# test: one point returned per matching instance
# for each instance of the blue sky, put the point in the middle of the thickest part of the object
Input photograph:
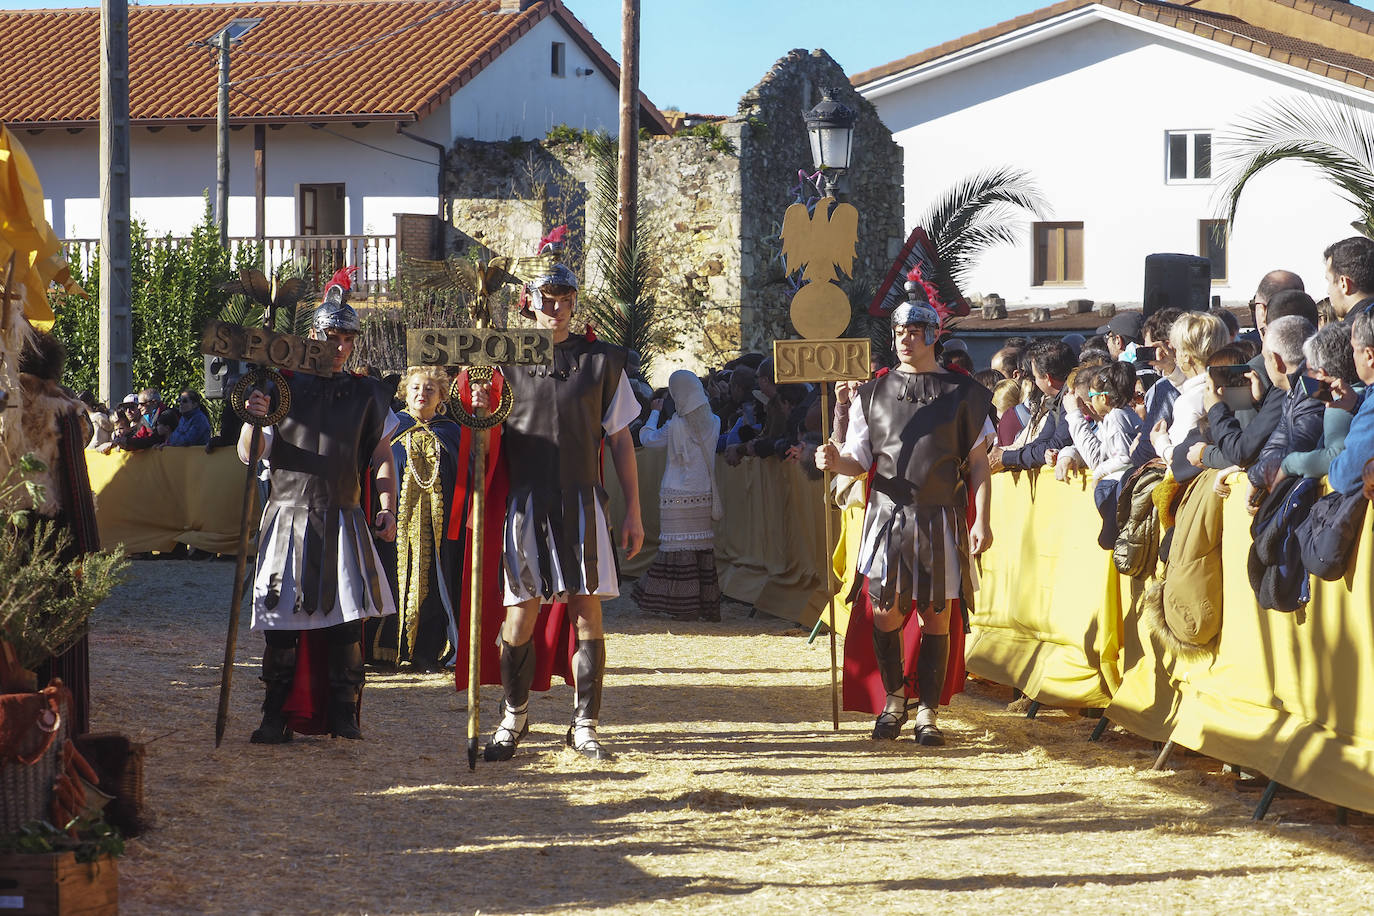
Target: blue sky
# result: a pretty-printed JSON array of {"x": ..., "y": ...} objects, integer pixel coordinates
[{"x": 702, "y": 55}]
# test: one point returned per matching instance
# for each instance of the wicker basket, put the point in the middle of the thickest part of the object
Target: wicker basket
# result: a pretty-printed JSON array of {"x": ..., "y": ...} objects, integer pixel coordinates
[{"x": 26, "y": 791}]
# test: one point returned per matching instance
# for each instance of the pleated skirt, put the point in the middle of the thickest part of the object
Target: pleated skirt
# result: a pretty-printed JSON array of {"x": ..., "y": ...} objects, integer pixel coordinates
[
  {"x": 551, "y": 553},
  {"x": 681, "y": 584},
  {"x": 921, "y": 551},
  {"x": 317, "y": 568}
]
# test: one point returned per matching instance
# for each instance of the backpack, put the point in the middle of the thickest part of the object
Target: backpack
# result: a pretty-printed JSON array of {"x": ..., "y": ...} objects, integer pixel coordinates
[
  {"x": 1136, "y": 552},
  {"x": 1331, "y": 532},
  {"x": 1275, "y": 562}
]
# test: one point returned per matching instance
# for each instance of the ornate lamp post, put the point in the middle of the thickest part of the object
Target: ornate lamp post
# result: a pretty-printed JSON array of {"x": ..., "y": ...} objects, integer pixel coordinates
[{"x": 831, "y": 128}]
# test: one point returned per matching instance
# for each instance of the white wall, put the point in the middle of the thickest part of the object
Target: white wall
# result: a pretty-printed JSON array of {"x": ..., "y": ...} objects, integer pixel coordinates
[
  {"x": 516, "y": 95},
  {"x": 1086, "y": 113},
  {"x": 172, "y": 169}
]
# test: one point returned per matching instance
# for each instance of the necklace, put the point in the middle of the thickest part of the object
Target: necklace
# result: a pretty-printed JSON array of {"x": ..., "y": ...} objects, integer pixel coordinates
[{"x": 430, "y": 446}]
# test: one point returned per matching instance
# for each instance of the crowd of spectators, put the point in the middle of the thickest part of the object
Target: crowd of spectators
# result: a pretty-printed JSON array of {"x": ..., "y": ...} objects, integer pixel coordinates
[{"x": 142, "y": 421}]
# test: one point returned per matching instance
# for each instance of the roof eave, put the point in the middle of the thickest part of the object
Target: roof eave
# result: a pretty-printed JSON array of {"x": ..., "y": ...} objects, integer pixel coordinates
[
  {"x": 236, "y": 121},
  {"x": 1319, "y": 74}
]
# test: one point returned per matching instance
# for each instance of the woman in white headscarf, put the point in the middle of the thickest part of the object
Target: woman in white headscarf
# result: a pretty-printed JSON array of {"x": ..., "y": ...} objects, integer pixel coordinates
[{"x": 682, "y": 580}]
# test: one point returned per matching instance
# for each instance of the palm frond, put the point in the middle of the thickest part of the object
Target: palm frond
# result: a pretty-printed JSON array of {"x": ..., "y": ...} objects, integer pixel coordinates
[
  {"x": 1319, "y": 131},
  {"x": 623, "y": 310},
  {"x": 980, "y": 212}
]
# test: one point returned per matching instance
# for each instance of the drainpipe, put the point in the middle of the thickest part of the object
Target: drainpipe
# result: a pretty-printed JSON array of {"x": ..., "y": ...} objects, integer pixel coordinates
[{"x": 441, "y": 242}]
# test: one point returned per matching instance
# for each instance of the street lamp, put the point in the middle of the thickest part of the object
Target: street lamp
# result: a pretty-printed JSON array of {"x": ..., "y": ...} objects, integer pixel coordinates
[{"x": 831, "y": 128}]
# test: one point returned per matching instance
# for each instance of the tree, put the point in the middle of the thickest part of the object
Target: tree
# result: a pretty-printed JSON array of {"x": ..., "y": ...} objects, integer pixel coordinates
[
  {"x": 980, "y": 212},
  {"x": 623, "y": 309},
  {"x": 1332, "y": 137}
]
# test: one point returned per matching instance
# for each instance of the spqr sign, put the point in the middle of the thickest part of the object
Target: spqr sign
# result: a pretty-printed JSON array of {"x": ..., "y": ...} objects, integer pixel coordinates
[
  {"x": 479, "y": 347},
  {"x": 820, "y": 360},
  {"x": 269, "y": 348}
]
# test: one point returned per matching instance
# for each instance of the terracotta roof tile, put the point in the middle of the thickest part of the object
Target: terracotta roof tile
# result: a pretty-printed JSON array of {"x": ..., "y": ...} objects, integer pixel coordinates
[
  {"x": 308, "y": 60},
  {"x": 1218, "y": 27}
]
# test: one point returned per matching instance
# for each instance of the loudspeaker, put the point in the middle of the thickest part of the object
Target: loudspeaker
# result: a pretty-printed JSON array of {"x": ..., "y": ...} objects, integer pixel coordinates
[
  {"x": 1181, "y": 281},
  {"x": 221, "y": 375}
]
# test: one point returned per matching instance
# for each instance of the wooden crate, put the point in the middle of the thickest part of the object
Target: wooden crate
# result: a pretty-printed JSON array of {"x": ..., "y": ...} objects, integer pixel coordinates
[{"x": 55, "y": 884}]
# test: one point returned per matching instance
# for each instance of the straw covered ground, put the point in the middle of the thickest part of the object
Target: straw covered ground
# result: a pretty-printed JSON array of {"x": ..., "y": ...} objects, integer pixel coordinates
[{"x": 731, "y": 793}]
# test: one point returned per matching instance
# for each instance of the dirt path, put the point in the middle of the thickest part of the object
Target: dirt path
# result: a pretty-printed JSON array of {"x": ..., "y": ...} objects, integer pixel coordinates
[{"x": 730, "y": 794}]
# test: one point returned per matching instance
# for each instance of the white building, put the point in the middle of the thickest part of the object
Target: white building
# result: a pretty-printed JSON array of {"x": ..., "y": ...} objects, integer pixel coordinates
[
  {"x": 1115, "y": 108},
  {"x": 349, "y": 105}
]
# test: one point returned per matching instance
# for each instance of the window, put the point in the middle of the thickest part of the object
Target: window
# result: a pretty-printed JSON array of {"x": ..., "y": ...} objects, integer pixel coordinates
[
  {"x": 1188, "y": 156},
  {"x": 1211, "y": 244},
  {"x": 1058, "y": 254},
  {"x": 558, "y": 59}
]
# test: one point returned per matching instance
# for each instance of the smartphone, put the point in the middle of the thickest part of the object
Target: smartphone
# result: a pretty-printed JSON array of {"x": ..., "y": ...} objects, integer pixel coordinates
[
  {"x": 1320, "y": 391},
  {"x": 1232, "y": 376},
  {"x": 1146, "y": 354}
]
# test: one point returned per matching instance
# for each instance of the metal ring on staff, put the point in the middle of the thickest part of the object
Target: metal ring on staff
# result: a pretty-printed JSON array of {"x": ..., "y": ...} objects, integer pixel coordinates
[
  {"x": 481, "y": 375},
  {"x": 252, "y": 379}
]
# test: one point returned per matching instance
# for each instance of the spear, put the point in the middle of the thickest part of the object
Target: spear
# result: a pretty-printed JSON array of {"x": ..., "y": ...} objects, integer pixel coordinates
[{"x": 253, "y": 284}]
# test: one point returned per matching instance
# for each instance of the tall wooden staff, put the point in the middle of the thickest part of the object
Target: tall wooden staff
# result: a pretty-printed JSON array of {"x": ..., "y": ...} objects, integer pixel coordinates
[
  {"x": 816, "y": 243},
  {"x": 266, "y": 352}
]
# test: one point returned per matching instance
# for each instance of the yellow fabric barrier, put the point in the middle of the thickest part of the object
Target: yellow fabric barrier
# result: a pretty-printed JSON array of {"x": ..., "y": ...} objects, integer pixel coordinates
[
  {"x": 770, "y": 546},
  {"x": 1047, "y": 616},
  {"x": 1287, "y": 695},
  {"x": 158, "y": 498},
  {"x": 770, "y": 550}
]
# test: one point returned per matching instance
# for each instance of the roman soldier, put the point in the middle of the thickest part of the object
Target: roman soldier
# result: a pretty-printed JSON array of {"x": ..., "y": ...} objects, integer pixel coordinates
[
  {"x": 923, "y": 433},
  {"x": 318, "y": 574},
  {"x": 557, "y": 540}
]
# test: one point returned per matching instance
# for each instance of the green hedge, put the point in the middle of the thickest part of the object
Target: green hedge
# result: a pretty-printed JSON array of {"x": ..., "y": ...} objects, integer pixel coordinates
[{"x": 176, "y": 292}]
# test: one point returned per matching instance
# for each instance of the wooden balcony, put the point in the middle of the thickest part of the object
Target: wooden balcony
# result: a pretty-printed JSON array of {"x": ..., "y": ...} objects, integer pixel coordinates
[{"x": 376, "y": 256}]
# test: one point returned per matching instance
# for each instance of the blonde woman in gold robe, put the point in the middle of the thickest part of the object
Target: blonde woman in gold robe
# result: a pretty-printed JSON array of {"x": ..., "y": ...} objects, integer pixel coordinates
[{"x": 422, "y": 635}]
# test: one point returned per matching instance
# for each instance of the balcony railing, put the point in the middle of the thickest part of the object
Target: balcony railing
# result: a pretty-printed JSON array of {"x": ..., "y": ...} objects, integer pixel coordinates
[{"x": 376, "y": 257}]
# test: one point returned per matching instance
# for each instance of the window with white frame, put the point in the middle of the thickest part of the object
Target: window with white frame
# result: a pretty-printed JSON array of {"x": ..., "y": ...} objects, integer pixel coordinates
[
  {"x": 1188, "y": 156},
  {"x": 558, "y": 59}
]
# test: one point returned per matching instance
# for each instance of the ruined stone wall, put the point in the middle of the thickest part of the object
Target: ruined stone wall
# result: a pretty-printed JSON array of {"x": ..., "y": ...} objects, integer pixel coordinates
[
  {"x": 773, "y": 148},
  {"x": 713, "y": 216},
  {"x": 506, "y": 196}
]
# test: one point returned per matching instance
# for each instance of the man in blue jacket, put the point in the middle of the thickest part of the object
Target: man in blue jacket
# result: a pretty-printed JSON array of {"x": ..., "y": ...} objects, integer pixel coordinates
[{"x": 1347, "y": 468}]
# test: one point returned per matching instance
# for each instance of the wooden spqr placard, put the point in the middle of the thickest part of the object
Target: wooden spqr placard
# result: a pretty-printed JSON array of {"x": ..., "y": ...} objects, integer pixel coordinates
[
  {"x": 479, "y": 347},
  {"x": 269, "y": 348},
  {"x": 842, "y": 360}
]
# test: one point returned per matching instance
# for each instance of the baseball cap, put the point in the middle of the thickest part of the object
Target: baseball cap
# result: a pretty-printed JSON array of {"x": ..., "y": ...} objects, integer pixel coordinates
[{"x": 1124, "y": 324}]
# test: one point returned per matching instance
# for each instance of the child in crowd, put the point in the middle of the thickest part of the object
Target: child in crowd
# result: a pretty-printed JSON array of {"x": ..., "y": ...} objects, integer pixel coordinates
[
  {"x": 1006, "y": 396},
  {"x": 1106, "y": 445}
]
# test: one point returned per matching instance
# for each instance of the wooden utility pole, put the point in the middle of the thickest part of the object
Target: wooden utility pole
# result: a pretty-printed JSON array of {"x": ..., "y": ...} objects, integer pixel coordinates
[
  {"x": 222, "y": 132},
  {"x": 260, "y": 188},
  {"x": 116, "y": 323},
  {"x": 628, "y": 204}
]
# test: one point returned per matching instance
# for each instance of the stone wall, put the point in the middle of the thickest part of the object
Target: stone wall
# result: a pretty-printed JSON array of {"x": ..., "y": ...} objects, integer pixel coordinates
[
  {"x": 712, "y": 216},
  {"x": 774, "y": 147}
]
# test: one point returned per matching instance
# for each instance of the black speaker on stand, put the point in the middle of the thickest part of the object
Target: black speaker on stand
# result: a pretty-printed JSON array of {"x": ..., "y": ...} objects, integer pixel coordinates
[{"x": 1181, "y": 281}]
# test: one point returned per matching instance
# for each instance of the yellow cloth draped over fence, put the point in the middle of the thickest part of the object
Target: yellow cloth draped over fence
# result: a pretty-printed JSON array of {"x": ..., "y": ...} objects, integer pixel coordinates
[
  {"x": 770, "y": 550},
  {"x": 158, "y": 498},
  {"x": 1287, "y": 695}
]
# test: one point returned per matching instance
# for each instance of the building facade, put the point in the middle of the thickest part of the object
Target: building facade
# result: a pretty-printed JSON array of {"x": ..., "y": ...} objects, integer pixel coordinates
[{"x": 1120, "y": 111}]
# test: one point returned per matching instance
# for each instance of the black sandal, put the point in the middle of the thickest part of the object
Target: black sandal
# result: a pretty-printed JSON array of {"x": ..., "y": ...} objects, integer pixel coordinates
[
  {"x": 504, "y": 742},
  {"x": 591, "y": 748},
  {"x": 888, "y": 726},
  {"x": 929, "y": 735}
]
